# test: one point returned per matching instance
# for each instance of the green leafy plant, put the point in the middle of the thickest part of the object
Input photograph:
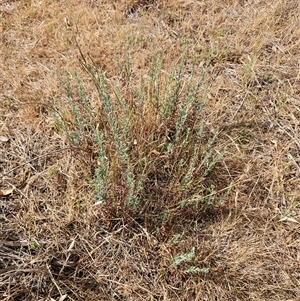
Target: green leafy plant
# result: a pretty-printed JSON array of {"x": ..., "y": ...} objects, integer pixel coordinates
[
  {"x": 147, "y": 141},
  {"x": 182, "y": 258},
  {"x": 185, "y": 265}
]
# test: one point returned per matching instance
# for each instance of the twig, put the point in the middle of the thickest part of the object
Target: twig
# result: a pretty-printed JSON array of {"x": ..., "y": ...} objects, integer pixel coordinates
[{"x": 36, "y": 158}]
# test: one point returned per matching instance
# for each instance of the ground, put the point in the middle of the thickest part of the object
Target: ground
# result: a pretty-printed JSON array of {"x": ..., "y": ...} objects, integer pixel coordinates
[{"x": 56, "y": 244}]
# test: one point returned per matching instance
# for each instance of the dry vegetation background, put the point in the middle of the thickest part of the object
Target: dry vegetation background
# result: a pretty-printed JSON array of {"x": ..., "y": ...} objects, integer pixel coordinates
[{"x": 54, "y": 245}]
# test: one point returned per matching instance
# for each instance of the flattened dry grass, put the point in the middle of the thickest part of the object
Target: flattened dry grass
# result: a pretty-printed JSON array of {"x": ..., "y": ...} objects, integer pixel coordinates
[{"x": 55, "y": 244}]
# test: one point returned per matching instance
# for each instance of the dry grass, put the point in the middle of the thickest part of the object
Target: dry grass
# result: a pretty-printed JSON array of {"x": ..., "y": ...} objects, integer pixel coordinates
[{"x": 55, "y": 245}]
